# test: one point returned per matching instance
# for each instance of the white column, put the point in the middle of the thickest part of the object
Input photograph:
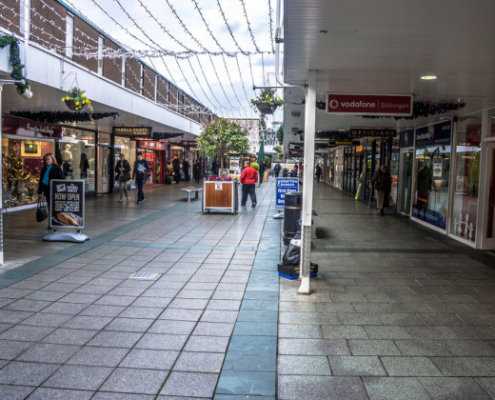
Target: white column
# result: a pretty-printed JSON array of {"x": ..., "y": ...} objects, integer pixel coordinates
[{"x": 309, "y": 166}]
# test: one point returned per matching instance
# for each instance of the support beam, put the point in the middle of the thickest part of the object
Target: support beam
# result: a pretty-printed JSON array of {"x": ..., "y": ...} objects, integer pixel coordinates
[{"x": 309, "y": 167}]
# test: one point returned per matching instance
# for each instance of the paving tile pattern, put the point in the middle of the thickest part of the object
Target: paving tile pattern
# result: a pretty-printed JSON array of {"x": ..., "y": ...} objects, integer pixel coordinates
[{"x": 398, "y": 312}]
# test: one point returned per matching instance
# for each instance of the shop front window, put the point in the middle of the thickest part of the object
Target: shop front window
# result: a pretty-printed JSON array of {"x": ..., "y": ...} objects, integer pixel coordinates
[
  {"x": 127, "y": 147},
  {"x": 22, "y": 161},
  {"x": 78, "y": 152},
  {"x": 432, "y": 174},
  {"x": 394, "y": 169},
  {"x": 468, "y": 155}
]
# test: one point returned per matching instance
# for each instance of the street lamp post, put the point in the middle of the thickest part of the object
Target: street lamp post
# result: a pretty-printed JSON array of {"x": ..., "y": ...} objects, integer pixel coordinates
[{"x": 2, "y": 82}]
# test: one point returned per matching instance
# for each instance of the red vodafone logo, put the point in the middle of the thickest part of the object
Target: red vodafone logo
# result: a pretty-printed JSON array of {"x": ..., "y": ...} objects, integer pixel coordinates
[{"x": 369, "y": 104}]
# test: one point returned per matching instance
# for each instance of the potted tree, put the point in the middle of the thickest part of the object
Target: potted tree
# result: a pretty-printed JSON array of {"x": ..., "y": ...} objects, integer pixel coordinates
[
  {"x": 217, "y": 139},
  {"x": 267, "y": 102}
]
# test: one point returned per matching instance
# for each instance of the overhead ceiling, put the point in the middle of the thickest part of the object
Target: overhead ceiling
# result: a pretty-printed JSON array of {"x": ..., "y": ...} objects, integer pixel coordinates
[{"x": 385, "y": 46}]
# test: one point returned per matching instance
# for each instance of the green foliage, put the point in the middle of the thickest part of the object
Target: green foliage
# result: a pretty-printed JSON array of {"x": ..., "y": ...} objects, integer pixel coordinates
[
  {"x": 268, "y": 161},
  {"x": 255, "y": 165},
  {"x": 221, "y": 137},
  {"x": 280, "y": 135},
  {"x": 267, "y": 95},
  {"x": 15, "y": 61}
]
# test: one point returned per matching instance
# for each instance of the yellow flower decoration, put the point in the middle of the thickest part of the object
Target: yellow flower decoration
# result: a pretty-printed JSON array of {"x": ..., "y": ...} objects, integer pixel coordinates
[
  {"x": 82, "y": 94},
  {"x": 77, "y": 103}
]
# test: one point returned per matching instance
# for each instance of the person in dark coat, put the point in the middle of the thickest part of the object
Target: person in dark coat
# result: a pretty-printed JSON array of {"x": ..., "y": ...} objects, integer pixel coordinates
[
  {"x": 122, "y": 175},
  {"x": 383, "y": 186},
  {"x": 277, "y": 169},
  {"x": 196, "y": 171},
  {"x": 139, "y": 172},
  {"x": 185, "y": 168},
  {"x": 215, "y": 165},
  {"x": 49, "y": 171},
  {"x": 318, "y": 172},
  {"x": 84, "y": 166},
  {"x": 262, "y": 170},
  {"x": 176, "y": 168}
]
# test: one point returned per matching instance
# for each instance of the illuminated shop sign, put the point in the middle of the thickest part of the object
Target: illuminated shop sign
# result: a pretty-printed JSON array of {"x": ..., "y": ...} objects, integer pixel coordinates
[
  {"x": 370, "y": 104},
  {"x": 132, "y": 131}
]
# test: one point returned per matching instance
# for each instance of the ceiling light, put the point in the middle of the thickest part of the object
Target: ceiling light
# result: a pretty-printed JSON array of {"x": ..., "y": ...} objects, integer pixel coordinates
[{"x": 429, "y": 77}]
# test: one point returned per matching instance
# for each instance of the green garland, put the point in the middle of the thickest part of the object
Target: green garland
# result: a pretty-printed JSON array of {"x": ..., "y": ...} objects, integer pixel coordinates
[{"x": 15, "y": 61}]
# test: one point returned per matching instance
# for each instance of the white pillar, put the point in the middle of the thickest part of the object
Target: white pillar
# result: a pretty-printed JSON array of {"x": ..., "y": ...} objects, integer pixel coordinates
[{"x": 309, "y": 166}]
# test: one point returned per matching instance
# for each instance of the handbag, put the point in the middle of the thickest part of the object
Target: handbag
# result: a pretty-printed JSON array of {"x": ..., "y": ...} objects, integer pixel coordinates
[
  {"x": 133, "y": 185},
  {"x": 41, "y": 213}
]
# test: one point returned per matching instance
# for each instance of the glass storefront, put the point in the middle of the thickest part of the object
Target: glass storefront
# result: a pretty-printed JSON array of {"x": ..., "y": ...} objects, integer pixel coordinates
[
  {"x": 431, "y": 198},
  {"x": 127, "y": 147},
  {"x": 394, "y": 169},
  {"x": 78, "y": 156},
  {"x": 490, "y": 217},
  {"x": 468, "y": 157}
]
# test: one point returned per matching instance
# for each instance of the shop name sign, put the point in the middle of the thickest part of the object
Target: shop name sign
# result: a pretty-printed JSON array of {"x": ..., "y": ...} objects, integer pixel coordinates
[
  {"x": 20, "y": 127},
  {"x": 131, "y": 131},
  {"x": 372, "y": 133},
  {"x": 370, "y": 104}
]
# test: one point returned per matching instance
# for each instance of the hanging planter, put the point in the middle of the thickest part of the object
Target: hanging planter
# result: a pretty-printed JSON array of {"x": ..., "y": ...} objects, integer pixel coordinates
[
  {"x": 76, "y": 100},
  {"x": 266, "y": 108},
  {"x": 267, "y": 102}
]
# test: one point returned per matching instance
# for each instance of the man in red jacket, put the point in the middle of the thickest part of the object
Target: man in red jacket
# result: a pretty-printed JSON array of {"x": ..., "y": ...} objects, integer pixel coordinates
[{"x": 249, "y": 177}]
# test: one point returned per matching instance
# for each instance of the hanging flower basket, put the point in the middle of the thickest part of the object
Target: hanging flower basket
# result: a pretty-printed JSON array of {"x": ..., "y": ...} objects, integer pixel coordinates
[
  {"x": 71, "y": 105},
  {"x": 266, "y": 108}
]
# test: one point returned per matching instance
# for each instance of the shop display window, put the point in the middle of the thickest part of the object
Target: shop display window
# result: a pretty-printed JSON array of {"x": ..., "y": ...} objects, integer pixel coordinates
[
  {"x": 22, "y": 161},
  {"x": 127, "y": 147},
  {"x": 78, "y": 152},
  {"x": 394, "y": 169},
  {"x": 431, "y": 200},
  {"x": 468, "y": 156}
]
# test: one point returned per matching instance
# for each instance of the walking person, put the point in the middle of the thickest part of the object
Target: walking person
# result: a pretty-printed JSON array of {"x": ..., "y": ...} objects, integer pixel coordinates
[
  {"x": 277, "y": 169},
  {"x": 122, "y": 176},
  {"x": 84, "y": 166},
  {"x": 139, "y": 172},
  {"x": 176, "y": 167},
  {"x": 196, "y": 171},
  {"x": 214, "y": 166},
  {"x": 318, "y": 172},
  {"x": 262, "y": 170},
  {"x": 383, "y": 185},
  {"x": 249, "y": 177},
  {"x": 49, "y": 171},
  {"x": 185, "y": 168}
]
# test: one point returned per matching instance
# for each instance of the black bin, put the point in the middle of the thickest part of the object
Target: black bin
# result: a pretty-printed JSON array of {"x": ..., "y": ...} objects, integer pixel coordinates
[
  {"x": 292, "y": 213},
  {"x": 285, "y": 172}
]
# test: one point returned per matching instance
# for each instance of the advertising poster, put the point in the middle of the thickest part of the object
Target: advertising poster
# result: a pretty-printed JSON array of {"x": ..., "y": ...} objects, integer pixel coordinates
[
  {"x": 285, "y": 185},
  {"x": 66, "y": 204}
]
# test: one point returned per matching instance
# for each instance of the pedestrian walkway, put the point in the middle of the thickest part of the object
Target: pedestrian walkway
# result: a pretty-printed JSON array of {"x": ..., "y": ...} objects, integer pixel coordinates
[{"x": 398, "y": 311}]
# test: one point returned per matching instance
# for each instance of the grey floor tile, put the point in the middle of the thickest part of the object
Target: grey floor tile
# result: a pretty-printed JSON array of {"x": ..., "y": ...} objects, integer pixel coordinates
[
  {"x": 157, "y": 341},
  {"x": 432, "y": 332},
  {"x": 129, "y": 325},
  {"x": 423, "y": 347},
  {"x": 410, "y": 366},
  {"x": 115, "y": 339},
  {"x": 190, "y": 384},
  {"x": 316, "y": 387},
  {"x": 48, "y": 353},
  {"x": 87, "y": 322},
  {"x": 387, "y": 332},
  {"x": 46, "y": 319},
  {"x": 182, "y": 314},
  {"x": 207, "y": 344},
  {"x": 172, "y": 327},
  {"x": 98, "y": 357},
  {"x": 465, "y": 348},
  {"x": 356, "y": 366},
  {"x": 313, "y": 347},
  {"x": 70, "y": 336},
  {"x": 26, "y": 333},
  {"x": 453, "y": 388},
  {"x": 135, "y": 381},
  {"x": 463, "y": 366},
  {"x": 26, "y": 374},
  {"x": 199, "y": 362},
  {"x": 226, "y": 317},
  {"x": 373, "y": 348},
  {"x": 344, "y": 332},
  {"x": 488, "y": 384},
  {"x": 150, "y": 359},
  {"x": 61, "y": 394},
  {"x": 78, "y": 377},
  {"x": 141, "y": 312},
  {"x": 10, "y": 349},
  {"x": 303, "y": 365},
  {"x": 15, "y": 392},
  {"x": 102, "y": 311},
  {"x": 213, "y": 329},
  {"x": 395, "y": 388},
  {"x": 299, "y": 331}
]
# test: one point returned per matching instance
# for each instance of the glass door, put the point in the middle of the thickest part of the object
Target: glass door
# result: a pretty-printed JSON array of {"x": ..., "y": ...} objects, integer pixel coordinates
[
  {"x": 489, "y": 215},
  {"x": 405, "y": 181}
]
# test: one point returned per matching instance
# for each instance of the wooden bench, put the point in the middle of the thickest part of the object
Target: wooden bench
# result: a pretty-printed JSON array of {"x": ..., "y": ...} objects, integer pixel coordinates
[{"x": 192, "y": 189}]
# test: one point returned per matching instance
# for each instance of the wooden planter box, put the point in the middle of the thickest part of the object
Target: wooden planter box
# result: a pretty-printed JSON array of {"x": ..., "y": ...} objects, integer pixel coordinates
[{"x": 220, "y": 196}]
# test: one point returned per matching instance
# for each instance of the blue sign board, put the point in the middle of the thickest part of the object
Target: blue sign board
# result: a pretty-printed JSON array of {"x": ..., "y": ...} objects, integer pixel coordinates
[{"x": 285, "y": 185}]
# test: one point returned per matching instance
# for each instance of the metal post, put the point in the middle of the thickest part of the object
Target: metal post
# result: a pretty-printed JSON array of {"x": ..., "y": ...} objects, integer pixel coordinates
[{"x": 309, "y": 166}]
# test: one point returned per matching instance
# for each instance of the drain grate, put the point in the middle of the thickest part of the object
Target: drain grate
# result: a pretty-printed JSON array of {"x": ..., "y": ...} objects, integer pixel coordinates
[{"x": 145, "y": 276}]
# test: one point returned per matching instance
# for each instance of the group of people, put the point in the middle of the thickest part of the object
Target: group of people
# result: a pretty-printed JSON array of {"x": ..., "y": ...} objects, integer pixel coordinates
[{"x": 176, "y": 166}]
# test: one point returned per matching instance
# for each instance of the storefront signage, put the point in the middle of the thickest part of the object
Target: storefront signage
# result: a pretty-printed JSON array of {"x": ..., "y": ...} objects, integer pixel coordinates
[
  {"x": 285, "y": 185},
  {"x": 370, "y": 104},
  {"x": 131, "y": 131},
  {"x": 66, "y": 204},
  {"x": 161, "y": 146},
  {"x": 147, "y": 145},
  {"x": 188, "y": 143},
  {"x": 165, "y": 135},
  {"x": 437, "y": 134},
  {"x": 28, "y": 128},
  {"x": 218, "y": 186},
  {"x": 373, "y": 133},
  {"x": 407, "y": 138}
]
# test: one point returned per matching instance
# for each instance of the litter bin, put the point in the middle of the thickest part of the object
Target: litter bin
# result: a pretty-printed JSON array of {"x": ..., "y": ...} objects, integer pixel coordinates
[
  {"x": 285, "y": 172},
  {"x": 292, "y": 213}
]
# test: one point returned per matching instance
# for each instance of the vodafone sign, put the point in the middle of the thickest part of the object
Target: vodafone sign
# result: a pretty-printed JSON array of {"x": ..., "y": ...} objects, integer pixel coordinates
[{"x": 370, "y": 104}]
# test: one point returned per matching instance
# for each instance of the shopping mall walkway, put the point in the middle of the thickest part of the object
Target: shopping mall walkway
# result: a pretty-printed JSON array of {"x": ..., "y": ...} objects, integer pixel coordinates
[{"x": 397, "y": 312}]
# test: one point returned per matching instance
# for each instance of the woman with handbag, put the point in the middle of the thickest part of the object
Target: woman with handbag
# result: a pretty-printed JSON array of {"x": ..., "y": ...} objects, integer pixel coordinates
[
  {"x": 383, "y": 186},
  {"x": 49, "y": 171},
  {"x": 122, "y": 176}
]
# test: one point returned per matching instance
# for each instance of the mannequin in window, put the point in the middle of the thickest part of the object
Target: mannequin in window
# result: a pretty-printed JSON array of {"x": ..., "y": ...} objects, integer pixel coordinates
[{"x": 67, "y": 160}]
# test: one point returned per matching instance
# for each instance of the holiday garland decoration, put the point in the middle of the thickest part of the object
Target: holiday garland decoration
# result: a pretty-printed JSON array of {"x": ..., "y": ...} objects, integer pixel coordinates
[
  {"x": 15, "y": 61},
  {"x": 426, "y": 109},
  {"x": 60, "y": 117},
  {"x": 76, "y": 100}
]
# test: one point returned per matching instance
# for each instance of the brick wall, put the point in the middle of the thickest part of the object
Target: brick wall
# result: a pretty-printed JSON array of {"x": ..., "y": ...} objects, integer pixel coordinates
[
  {"x": 149, "y": 83},
  {"x": 161, "y": 97},
  {"x": 48, "y": 24},
  {"x": 173, "y": 97},
  {"x": 9, "y": 15},
  {"x": 83, "y": 44},
  {"x": 132, "y": 74},
  {"x": 112, "y": 67}
]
